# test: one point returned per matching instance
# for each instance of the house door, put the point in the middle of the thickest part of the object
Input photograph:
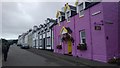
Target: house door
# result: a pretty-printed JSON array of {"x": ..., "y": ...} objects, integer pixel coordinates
[
  {"x": 69, "y": 47},
  {"x": 43, "y": 43}
]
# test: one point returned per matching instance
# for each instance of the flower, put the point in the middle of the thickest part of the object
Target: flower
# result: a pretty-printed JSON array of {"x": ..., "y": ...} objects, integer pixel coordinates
[
  {"x": 82, "y": 46},
  {"x": 59, "y": 46}
]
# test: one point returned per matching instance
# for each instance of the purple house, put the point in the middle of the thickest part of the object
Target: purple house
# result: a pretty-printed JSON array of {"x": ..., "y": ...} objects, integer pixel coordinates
[{"x": 90, "y": 30}]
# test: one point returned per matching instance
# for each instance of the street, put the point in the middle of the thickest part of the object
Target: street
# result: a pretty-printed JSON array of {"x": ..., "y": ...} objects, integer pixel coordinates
[{"x": 21, "y": 57}]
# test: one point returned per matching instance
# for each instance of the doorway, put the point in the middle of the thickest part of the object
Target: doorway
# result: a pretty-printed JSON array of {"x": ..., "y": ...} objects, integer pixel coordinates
[{"x": 69, "y": 47}]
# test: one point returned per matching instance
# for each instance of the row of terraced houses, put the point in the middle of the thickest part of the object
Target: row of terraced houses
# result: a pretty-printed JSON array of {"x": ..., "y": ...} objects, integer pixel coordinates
[{"x": 88, "y": 30}]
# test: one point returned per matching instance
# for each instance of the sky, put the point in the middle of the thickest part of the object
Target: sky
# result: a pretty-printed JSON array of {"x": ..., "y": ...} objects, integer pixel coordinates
[{"x": 19, "y": 17}]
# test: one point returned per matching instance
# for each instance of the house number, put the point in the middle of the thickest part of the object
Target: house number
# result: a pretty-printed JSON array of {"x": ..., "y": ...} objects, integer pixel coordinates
[{"x": 97, "y": 27}]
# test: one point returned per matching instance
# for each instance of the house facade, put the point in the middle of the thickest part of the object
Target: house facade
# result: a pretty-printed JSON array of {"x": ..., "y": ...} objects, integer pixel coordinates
[
  {"x": 40, "y": 35},
  {"x": 30, "y": 36},
  {"x": 21, "y": 39},
  {"x": 34, "y": 37},
  {"x": 45, "y": 35},
  {"x": 49, "y": 33},
  {"x": 89, "y": 30}
]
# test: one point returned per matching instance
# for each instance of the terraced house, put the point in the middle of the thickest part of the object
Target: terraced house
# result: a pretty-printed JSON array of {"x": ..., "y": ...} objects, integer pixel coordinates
[{"x": 88, "y": 30}]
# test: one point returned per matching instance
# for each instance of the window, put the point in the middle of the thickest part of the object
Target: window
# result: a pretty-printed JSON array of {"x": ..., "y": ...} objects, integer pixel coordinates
[
  {"x": 48, "y": 41},
  {"x": 48, "y": 34},
  {"x": 82, "y": 36},
  {"x": 40, "y": 42},
  {"x": 40, "y": 36},
  {"x": 68, "y": 16},
  {"x": 58, "y": 20},
  {"x": 81, "y": 9}
]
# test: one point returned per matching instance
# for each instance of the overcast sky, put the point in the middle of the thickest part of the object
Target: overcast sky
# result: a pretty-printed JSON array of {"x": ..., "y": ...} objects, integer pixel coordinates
[{"x": 19, "y": 17}]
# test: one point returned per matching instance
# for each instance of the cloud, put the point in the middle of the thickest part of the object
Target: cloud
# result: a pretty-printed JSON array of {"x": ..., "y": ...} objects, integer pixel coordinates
[{"x": 19, "y": 17}]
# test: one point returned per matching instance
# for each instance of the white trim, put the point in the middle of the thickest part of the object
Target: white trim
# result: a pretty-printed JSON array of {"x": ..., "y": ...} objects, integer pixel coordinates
[
  {"x": 78, "y": 9},
  {"x": 48, "y": 47},
  {"x": 98, "y": 12},
  {"x": 81, "y": 36},
  {"x": 43, "y": 35}
]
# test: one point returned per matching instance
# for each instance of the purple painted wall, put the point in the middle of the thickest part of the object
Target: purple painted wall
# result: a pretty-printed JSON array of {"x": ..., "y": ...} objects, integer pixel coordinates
[
  {"x": 98, "y": 36},
  {"x": 119, "y": 27},
  {"x": 101, "y": 44},
  {"x": 111, "y": 30},
  {"x": 81, "y": 24},
  {"x": 56, "y": 32}
]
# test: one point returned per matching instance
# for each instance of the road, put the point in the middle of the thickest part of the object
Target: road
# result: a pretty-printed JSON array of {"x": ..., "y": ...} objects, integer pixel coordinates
[{"x": 21, "y": 57}]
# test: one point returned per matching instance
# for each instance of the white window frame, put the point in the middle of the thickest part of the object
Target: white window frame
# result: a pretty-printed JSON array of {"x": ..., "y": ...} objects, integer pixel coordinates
[
  {"x": 59, "y": 20},
  {"x": 81, "y": 38},
  {"x": 40, "y": 36},
  {"x": 49, "y": 41},
  {"x": 40, "y": 41},
  {"x": 68, "y": 14},
  {"x": 81, "y": 10},
  {"x": 44, "y": 35},
  {"x": 48, "y": 34}
]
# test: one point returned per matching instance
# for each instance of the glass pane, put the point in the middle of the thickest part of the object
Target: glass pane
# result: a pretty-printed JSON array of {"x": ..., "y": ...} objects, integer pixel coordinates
[
  {"x": 81, "y": 12},
  {"x": 67, "y": 14},
  {"x": 82, "y": 37},
  {"x": 83, "y": 40},
  {"x": 81, "y": 7},
  {"x": 83, "y": 34},
  {"x": 68, "y": 18}
]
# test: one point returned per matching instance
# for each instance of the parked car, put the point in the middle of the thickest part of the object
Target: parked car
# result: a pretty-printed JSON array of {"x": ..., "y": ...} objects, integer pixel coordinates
[
  {"x": 19, "y": 45},
  {"x": 25, "y": 46}
]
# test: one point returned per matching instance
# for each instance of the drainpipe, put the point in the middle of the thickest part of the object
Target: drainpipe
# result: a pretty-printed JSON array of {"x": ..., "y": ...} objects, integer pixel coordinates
[
  {"x": 75, "y": 38},
  {"x": 91, "y": 36},
  {"x": 51, "y": 39},
  {"x": 38, "y": 40}
]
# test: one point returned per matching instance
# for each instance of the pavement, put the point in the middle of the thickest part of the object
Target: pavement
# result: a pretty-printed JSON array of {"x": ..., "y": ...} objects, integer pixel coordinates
[{"x": 75, "y": 60}]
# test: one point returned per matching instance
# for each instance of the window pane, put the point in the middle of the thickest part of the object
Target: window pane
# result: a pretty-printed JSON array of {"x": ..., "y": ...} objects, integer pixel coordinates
[
  {"x": 40, "y": 42},
  {"x": 81, "y": 7},
  {"x": 68, "y": 18},
  {"x": 82, "y": 37},
  {"x": 83, "y": 40},
  {"x": 81, "y": 12},
  {"x": 67, "y": 14},
  {"x": 83, "y": 34},
  {"x": 48, "y": 41}
]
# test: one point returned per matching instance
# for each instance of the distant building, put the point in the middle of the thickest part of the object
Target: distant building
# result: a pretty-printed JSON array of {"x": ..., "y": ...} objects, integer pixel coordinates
[
  {"x": 30, "y": 38},
  {"x": 49, "y": 33},
  {"x": 34, "y": 36}
]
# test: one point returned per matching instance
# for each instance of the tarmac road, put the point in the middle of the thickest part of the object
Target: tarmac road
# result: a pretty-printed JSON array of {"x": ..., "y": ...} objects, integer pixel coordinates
[{"x": 21, "y": 57}]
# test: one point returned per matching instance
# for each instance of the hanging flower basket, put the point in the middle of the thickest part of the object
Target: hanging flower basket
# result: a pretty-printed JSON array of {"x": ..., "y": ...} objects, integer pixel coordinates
[
  {"x": 67, "y": 37},
  {"x": 63, "y": 39},
  {"x": 82, "y": 46},
  {"x": 59, "y": 46}
]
